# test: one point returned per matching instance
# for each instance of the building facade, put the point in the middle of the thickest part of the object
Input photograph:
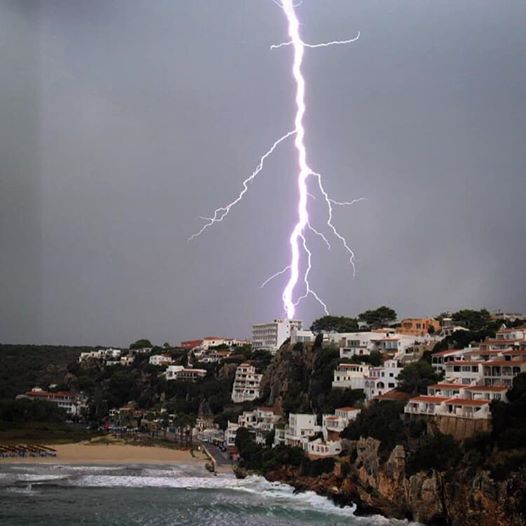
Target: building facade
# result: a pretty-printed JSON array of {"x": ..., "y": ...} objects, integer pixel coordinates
[
  {"x": 246, "y": 384},
  {"x": 270, "y": 336},
  {"x": 419, "y": 326}
]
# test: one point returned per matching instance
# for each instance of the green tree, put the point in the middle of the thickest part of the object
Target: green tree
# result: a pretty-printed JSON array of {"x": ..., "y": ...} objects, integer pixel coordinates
[
  {"x": 435, "y": 452},
  {"x": 375, "y": 358},
  {"x": 242, "y": 438},
  {"x": 415, "y": 377},
  {"x": 474, "y": 320},
  {"x": 334, "y": 323},
  {"x": 461, "y": 339},
  {"x": 378, "y": 317},
  {"x": 141, "y": 344},
  {"x": 382, "y": 421},
  {"x": 518, "y": 390}
]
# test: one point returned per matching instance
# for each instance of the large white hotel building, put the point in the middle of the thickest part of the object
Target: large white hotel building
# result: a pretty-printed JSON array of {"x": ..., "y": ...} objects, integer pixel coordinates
[{"x": 270, "y": 336}]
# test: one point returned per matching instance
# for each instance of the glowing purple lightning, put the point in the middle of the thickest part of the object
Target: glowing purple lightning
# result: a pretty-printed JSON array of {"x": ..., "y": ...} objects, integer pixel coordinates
[
  {"x": 304, "y": 171},
  {"x": 297, "y": 238}
]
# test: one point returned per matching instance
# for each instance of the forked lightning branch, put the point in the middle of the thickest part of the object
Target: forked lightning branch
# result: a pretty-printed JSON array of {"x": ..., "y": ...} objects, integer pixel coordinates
[{"x": 309, "y": 183}]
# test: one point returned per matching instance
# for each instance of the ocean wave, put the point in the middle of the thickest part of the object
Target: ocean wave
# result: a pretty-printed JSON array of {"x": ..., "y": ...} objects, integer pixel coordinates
[
  {"x": 275, "y": 493},
  {"x": 34, "y": 477}
]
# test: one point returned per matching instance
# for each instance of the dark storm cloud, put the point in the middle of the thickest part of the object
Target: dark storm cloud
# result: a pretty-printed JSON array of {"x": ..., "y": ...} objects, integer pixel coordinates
[{"x": 123, "y": 121}]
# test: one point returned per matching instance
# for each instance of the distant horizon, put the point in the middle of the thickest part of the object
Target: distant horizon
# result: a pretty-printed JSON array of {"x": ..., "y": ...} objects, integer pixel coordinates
[{"x": 174, "y": 343}]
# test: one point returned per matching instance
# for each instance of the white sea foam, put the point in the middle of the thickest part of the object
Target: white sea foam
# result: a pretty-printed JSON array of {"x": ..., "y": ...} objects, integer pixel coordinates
[
  {"x": 133, "y": 481},
  {"x": 279, "y": 493},
  {"x": 42, "y": 477},
  {"x": 69, "y": 467},
  {"x": 274, "y": 497}
]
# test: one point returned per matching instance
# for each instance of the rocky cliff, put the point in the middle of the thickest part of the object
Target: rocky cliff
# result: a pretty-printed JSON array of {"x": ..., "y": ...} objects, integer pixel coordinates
[
  {"x": 462, "y": 498},
  {"x": 378, "y": 483},
  {"x": 287, "y": 378}
]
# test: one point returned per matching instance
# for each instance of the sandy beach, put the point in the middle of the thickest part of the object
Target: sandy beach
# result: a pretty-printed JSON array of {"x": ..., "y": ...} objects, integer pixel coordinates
[{"x": 92, "y": 453}]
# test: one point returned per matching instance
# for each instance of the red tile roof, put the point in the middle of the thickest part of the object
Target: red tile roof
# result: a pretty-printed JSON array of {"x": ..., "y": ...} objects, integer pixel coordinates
[
  {"x": 429, "y": 399},
  {"x": 464, "y": 362},
  {"x": 509, "y": 341},
  {"x": 463, "y": 401},
  {"x": 505, "y": 362},
  {"x": 446, "y": 353},
  {"x": 488, "y": 388},
  {"x": 478, "y": 351},
  {"x": 513, "y": 352},
  {"x": 393, "y": 395}
]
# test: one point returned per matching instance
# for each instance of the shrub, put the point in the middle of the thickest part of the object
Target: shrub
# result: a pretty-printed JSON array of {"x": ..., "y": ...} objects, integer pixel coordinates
[
  {"x": 381, "y": 421},
  {"x": 315, "y": 468},
  {"x": 436, "y": 452}
]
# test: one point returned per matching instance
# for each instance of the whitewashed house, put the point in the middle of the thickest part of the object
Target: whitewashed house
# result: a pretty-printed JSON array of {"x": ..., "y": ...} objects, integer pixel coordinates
[
  {"x": 300, "y": 428},
  {"x": 172, "y": 371},
  {"x": 322, "y": 449},
  {"x": 246, "y": 384},
  {"x": 350, "y": 375},
  {"x": 160, "y": 360}
]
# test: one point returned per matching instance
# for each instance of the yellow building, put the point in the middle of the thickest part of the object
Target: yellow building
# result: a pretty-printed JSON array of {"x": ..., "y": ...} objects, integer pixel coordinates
[{"x": 418, "y": 326}]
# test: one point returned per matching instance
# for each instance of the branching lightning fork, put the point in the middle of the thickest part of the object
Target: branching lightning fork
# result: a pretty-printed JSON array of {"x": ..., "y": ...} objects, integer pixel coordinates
[{"x": 297, "y": 240}]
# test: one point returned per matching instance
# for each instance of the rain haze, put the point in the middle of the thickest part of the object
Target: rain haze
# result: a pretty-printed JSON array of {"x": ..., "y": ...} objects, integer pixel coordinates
[{"x": 122, "y": 122}]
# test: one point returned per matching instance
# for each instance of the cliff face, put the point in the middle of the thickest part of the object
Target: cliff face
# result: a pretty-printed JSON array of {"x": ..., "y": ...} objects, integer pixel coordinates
[
  {"x": 287, "y": 377},
  {"x": 465, "y": 497},
  {"x": 462, "y": 498}
]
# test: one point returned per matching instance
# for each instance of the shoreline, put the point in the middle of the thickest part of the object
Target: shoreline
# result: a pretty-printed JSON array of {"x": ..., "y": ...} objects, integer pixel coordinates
[{"x": 84, "y": 453}]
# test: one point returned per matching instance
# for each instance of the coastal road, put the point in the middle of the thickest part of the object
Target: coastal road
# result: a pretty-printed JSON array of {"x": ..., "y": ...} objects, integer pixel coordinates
[{"x": 223, "y": 462}]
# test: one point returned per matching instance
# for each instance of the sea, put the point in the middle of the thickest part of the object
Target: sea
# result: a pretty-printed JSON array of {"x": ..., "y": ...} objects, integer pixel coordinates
[{"x": 58, "y": 495}]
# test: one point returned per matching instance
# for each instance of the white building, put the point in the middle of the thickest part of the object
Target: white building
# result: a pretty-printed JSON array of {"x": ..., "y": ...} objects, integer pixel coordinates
[
  {"x": 212, "y": 341},
  {"x": 322, "y": 449},
  {"x": 246, "y": 384},
  {"x": 260, "y": 422},
  {"x": 270, "y": 336},
  {"x": 230, "y": 435},
  {"x": 350, "y": 376},
  {"x": 300, "y": 428},
  {"x": 439, "y": 359},
  {"x": 333, "y": 425},
  {"x": 100, "y": 355},
  {"x": 71, "y": 403},
  {"x": 127, "y": 360},
  {"x": 160, "y": 360},
  {"x": 212, "y": 436},
  {"x": 473, "y": 378},
  {"x": 381, "y": 379},
  {"x": 385, "y": 340},
  {"x": 172, "y": 371},
  {"x": 189, "y": 374},
  {"x": 303, "y": 336},
  {"x": 467, "y": 404}
]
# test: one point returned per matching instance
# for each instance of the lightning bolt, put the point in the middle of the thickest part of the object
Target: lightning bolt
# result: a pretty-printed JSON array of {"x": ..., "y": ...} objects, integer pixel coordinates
[
  {"x": 297, "y": 239},
  {"x": 222, "y": 212},
  {"x": 298, "y": 46}
]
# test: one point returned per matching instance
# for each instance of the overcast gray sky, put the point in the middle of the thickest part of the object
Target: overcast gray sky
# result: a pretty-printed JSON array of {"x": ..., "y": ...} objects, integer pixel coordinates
[{"x": 123, "y": 121}]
